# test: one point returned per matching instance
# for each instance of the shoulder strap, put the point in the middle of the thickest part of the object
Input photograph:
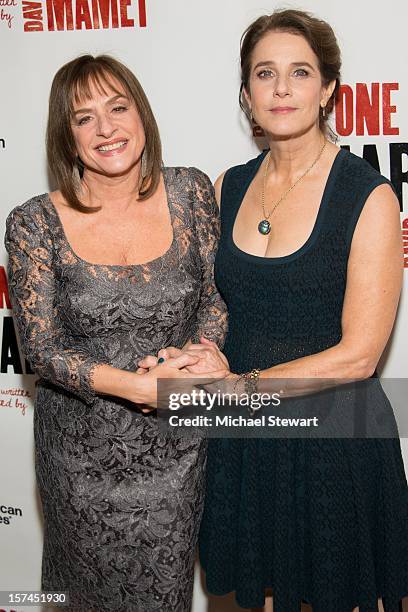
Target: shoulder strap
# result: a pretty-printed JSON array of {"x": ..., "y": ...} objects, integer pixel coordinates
[{"x": 354, "y": 182}]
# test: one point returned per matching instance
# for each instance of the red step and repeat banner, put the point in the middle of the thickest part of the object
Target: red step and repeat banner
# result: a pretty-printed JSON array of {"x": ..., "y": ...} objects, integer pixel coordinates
[{"x": 186, "y": 55}]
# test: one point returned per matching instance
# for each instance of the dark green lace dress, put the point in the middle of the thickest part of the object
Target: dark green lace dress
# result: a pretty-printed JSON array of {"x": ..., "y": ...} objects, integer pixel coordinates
[{"x": 324, "y": 521}]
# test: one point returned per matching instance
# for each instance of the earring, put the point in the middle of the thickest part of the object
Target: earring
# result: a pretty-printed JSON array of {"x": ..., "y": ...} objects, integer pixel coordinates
[
  {"x": 143, "y": 169},
  {"x": 76, "y": 178},
  {"x": 77, "y": 172},
  {"x": 323, "y": 111}
]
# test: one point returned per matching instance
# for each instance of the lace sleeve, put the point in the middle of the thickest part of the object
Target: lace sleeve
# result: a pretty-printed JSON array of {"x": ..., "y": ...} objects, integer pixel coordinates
[
  {"x": 32, "y": 291},
  {"x": 212, "y": 319}
]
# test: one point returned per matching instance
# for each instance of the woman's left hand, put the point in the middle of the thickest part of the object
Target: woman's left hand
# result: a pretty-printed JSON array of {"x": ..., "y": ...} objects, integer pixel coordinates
[{"x": 211, "y": 358}]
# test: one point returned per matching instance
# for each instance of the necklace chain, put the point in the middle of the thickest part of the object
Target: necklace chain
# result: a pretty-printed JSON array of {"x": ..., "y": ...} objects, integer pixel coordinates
[{"x": 267, "y": 216}]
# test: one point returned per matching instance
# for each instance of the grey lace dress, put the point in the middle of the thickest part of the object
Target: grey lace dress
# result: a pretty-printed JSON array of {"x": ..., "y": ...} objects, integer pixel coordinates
[{"x": 122, "y": 502}]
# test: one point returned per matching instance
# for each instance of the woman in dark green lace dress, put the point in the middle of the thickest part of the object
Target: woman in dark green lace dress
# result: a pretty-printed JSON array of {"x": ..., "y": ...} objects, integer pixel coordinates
[{"x": 310, "y": 267}]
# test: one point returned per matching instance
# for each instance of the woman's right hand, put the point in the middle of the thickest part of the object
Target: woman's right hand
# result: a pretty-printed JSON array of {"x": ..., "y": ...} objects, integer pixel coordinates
[
  {"x": 150, "y": 361},
  {"x": 169, "y": 369}
]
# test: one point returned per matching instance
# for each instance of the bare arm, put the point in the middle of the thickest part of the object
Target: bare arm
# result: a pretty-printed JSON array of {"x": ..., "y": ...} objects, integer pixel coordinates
[{"x": 374, "y": 279}]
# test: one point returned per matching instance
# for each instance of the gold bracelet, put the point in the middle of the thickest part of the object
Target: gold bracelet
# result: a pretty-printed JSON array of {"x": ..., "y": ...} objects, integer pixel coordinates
[{"x": 250, "y": 384}]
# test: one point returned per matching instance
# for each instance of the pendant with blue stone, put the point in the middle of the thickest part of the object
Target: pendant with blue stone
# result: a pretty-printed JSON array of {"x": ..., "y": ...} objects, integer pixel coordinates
[{"x": 264, "y": 227}]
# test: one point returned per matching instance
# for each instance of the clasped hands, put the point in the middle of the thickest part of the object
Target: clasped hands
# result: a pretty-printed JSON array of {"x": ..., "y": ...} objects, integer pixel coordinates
[{"x": 203, "y": 360}]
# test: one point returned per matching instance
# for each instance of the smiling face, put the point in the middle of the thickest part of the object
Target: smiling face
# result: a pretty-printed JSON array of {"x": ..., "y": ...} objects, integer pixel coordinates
[
  {"x": 285, "y": 89},
  {"x": 107, "y": 129}
]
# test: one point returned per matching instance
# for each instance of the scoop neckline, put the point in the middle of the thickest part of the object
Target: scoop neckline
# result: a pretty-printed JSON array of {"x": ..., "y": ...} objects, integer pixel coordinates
[
  {"x": 119, "y": 266},
  {"x": 316, "y": 227}
]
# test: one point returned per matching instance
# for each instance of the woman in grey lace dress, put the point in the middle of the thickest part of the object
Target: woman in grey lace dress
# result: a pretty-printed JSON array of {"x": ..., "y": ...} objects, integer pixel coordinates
[{"x": 115, "y": 265}]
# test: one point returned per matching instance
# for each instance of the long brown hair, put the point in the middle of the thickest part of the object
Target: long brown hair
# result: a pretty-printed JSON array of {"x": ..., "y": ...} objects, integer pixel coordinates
[
  {"x": 71, "y": 83},
  {"x": 317, "y": 33}
]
